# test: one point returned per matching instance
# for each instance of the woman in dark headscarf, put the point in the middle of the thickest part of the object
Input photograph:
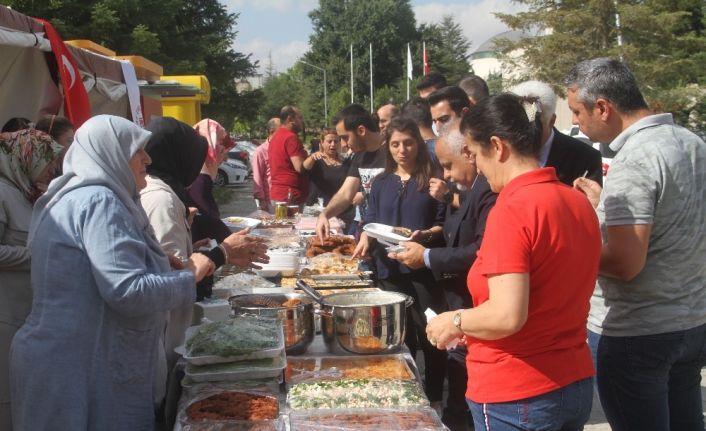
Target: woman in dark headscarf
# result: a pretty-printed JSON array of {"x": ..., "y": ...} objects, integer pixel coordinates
[{"x": 177, "y": 154}]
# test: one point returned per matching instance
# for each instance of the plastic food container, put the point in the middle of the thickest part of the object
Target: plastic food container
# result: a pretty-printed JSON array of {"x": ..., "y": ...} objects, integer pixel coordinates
[
  {"x": 356, "y": 394},
  {"x": 268, "y": 331},
  {"x": 237, "y": 371},
  {"x": 295, "y": 310},
  {"x": 214, "y": 409},
  {"x": 420, "y": 419},
  {"x": 386, "y": 367}
]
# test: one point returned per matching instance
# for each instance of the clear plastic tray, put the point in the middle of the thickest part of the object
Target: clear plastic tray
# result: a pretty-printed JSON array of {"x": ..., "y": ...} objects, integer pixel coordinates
[
  {"x": 277, "y": 335},
  {"x": 421, "y": 419},
  {"x": 187, "y": 423},
  {"x": 356, "y": 394},
  {"x": 236, "y": 371},
  {"x": 386, "y": 367}
]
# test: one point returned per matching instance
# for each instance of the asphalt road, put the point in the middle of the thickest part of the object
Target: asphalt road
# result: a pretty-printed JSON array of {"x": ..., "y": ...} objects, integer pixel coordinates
[{"x": 235, "y": 200}]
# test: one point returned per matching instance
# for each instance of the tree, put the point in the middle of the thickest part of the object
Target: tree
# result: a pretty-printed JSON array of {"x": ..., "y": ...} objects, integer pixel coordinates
[
  {"x": 388, "y": 24},
  {"x": 663, "y": 42},
  {"x": 447, "y": 49},
  {"x": 184, "y": 36}
]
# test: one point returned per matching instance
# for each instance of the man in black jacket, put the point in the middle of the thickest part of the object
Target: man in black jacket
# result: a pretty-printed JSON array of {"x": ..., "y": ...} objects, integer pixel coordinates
[
  {"x": 570, "y": 157},
  {"x": 463, "y": 233}
]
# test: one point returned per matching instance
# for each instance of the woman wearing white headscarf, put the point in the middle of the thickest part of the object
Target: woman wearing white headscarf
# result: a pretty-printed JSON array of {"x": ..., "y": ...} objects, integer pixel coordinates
[
  {"x": 28, "y": 158},
  {"x": 86, "y": 356}
]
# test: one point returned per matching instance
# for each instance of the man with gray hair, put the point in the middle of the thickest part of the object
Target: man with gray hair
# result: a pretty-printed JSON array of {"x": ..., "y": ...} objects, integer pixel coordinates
[
  {"x": 463, "y": 232},
  {"x": 570, "y": 157},
  {"x": 647, "y": 324},
  {"x": 475, "y": 87}
]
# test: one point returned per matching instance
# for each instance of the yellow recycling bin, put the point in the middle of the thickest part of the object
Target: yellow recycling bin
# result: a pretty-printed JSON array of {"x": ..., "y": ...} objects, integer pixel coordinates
[{"x": 185, "y": 104}]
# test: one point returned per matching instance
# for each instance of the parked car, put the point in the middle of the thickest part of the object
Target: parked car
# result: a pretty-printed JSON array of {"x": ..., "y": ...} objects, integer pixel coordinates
[
  {"x": 231, "y": 171},
  {"x": 244, "y": 152}
]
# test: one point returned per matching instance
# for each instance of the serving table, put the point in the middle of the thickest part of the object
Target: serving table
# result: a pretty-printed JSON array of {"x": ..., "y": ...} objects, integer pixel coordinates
[{"x": 315, "y": 371}]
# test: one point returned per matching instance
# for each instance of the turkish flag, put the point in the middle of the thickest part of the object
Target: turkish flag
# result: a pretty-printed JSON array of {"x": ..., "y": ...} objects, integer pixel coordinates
[
  {"x": 426, "y": 61},
  {"x": 77, "y": 107}
]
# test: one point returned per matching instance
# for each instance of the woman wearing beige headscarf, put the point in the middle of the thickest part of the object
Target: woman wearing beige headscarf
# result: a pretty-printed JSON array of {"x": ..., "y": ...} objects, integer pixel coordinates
[{"x": 29, "y": 159}]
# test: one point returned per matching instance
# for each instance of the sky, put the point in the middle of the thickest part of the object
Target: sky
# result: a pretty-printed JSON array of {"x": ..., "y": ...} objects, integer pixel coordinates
[{"x": 283, "y": 27}]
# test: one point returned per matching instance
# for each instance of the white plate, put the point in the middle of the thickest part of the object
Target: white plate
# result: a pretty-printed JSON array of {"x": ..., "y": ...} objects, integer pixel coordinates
[
  {"x": 239, "y": 223},
  {"x": 384, "y": 233}
]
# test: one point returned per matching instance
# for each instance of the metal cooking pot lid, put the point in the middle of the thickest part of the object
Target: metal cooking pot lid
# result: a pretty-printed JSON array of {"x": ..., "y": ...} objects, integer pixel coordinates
[{"x": 356, "y": 299}]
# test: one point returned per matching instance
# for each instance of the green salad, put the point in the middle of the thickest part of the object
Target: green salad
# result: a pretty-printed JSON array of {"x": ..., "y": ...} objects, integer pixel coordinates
[{"x": 237, "y": 336}]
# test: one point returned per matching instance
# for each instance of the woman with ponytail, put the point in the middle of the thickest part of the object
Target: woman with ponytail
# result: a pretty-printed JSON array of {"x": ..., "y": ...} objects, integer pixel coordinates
[{"x": 529, "y": 366}]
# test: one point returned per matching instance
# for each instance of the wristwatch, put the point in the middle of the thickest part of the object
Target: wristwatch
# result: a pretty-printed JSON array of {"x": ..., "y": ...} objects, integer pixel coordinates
[{"x": 457, "y": 320}]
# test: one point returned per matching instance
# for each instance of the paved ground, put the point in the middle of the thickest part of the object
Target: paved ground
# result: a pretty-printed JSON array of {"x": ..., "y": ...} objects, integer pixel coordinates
[
  {"x": 235, "y": 200},
  {"x": 238, "y": 201}
]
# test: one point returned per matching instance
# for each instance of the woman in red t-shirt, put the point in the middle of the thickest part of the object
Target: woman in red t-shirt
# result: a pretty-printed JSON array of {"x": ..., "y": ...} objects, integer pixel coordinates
[{"x": 529, "y": 366}]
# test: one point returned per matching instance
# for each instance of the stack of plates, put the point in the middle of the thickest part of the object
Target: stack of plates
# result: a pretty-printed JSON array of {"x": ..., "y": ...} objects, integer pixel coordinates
[{"x": 284, "y": 263}]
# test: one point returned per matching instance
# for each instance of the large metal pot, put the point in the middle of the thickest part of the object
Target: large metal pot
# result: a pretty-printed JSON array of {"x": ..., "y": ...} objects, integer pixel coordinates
[
  {"x": 297, "y": 320},
  {"x": 364, "y": 322}
]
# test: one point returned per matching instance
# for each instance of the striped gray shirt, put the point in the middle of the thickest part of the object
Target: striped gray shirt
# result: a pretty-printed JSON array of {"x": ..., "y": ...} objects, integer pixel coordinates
[{"x": 658, "y": 177}]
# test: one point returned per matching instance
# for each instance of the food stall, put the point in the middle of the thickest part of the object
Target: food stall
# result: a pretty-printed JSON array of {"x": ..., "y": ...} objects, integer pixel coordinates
[{"x": 273, "y": 357}]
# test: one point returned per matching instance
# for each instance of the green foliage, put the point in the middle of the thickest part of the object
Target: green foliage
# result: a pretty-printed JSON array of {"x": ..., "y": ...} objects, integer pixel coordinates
[
  {"x": 223, "y": 195},
  {"x": 687, "y": 104},
  {"x": 338, "y": 100},
  {"x": 184, "y": 36},
  {"x": 104, "y": 22},
  {"x": 388, "y": 24},
  {"x": 663, "y": 42},
  {"x": 241, "y": 128},
  {"x": 495, "y": 83},
  {"x": 145, "y": 42},
  {"x": 447, "y": 49},
  {"x": 280, "y": 90}
]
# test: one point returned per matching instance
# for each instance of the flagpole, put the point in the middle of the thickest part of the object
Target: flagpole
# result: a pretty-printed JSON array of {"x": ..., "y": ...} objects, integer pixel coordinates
[
  {"x": 371, "y": 77},
  {"x": 351, "y": 73},
  {"x": 424, "y": 57},
  {"x": 408, "y": 60}
]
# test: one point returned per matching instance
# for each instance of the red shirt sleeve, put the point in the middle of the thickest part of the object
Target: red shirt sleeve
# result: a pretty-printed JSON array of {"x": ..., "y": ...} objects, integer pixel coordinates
[
  {"x": 294, "y": 147},
  {"x": 506, "y": 244}
]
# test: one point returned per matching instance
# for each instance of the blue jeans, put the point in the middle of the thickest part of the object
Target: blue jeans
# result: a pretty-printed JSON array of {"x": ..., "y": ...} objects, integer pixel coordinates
[
  {"x": 565, "y": 409},
  {"x": 651, "y": 382}
]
